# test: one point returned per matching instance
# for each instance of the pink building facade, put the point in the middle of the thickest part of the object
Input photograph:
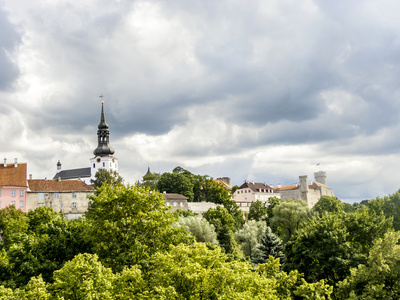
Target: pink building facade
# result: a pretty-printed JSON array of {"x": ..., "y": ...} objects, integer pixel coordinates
[{"x": 13, "y": 185}]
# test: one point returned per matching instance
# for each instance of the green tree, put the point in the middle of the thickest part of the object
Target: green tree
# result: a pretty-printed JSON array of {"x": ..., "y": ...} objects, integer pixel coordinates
[
  {"x": 379, "y": 277},
  {"x": 288, "y": 217},
  {"x": 215, "y": 192},
  {"x": 272, "y": 202},
  {"x": 128, "y": 224},
  {"x": 270, "y": 245},
  {"x": 327, "y": 204},
  {"x": 184, "y": 213},
  {"x": 236, "y": 213},
  {"x": 390, "y": 206},
  {"x": 109, "y": 177},
  {"x": 84, "y": 277},
  {"x": 250, "y": 236},
  {"x": 257, "y": 211},
  {"x": 13, "y": 225},
  {"x": 199, "y": 228},
  {"x": 40, "y": 217},
  {"x": 176, "y": 183},
  {"x": 224, "y": 225},
  {"x": 330, "y": 245}
]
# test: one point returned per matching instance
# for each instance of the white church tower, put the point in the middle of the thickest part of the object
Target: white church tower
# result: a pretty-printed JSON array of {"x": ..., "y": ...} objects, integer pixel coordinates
[{"x": 103, "y": 154}]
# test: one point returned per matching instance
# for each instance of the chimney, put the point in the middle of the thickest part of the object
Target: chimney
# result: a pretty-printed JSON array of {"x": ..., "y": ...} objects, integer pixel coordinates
[
  {"x": 58, "y": 166},
  {"x": 15, "y": 162},
  {"x": 30, "y": 176},
  {"x": 5, "y": 162}
]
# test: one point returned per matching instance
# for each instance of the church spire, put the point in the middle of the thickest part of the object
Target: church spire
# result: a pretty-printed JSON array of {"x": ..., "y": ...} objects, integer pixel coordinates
[{"x": 103, "y": 136}]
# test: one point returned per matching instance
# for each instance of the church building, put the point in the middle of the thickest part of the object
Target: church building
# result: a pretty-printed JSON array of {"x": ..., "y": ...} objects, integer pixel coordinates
[{"x": 103, "y": 157}]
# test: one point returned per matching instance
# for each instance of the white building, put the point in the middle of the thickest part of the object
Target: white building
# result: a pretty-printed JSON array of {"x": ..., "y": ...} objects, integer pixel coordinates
[{"x": 250, "y": 192}]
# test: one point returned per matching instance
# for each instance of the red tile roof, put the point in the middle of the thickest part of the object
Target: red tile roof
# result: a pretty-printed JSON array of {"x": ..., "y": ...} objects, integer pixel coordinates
[
  {"x": 13, "y": 176},
  {"x": 49, "y": 185}
]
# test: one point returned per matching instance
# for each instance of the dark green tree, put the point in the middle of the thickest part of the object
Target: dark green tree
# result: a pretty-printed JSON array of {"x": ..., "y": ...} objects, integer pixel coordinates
[
  {"x": 270, "y": 245},
  {"x": 224, "y": 225},
  {"x": 236, "y": 213},
  {"x": 176, "y": 183},
  {"x": 330, "y": 245},
  {"x": 109, "y": 177}
]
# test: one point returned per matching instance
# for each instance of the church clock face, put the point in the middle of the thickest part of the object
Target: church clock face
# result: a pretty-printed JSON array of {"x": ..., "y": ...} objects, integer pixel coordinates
[{"x": 98, "y": 159}]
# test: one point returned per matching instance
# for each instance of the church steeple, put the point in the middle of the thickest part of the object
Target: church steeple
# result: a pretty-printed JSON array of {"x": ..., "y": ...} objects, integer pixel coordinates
[{"x": 103, "y": 136}]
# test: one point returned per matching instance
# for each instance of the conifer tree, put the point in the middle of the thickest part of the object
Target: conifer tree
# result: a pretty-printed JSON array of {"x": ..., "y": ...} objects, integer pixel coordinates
[{"x": 270, "y": 244}]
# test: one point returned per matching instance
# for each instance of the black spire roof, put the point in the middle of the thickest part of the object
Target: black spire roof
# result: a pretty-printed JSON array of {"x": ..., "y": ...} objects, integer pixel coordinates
[{"x": 103, "y": 136}]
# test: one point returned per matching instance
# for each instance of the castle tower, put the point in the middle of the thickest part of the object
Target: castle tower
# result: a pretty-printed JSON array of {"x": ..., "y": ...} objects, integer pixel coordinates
[
  {"x": 303, "y": 186},
  {"x": 320, "y": 177},
  {"x": 103, "y": 154}
]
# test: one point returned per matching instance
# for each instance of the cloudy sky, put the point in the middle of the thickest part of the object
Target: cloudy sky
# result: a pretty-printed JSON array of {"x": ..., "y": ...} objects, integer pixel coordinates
[{"x": 253, "y": 90}]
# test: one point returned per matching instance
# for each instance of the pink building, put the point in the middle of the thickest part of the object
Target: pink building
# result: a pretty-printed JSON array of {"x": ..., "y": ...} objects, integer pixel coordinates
[{"x": 13, "y": 185}]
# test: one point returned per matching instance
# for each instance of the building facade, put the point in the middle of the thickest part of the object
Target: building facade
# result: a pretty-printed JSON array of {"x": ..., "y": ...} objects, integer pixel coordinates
[
  {"x": 67, "y": 196},
  {"x": 250, "y": 192},
  {"x": 13, "y": 185}
]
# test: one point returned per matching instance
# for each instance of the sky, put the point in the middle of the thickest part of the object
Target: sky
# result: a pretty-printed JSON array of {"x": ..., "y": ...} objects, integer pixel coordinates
[{"x": 253, "y": 90}]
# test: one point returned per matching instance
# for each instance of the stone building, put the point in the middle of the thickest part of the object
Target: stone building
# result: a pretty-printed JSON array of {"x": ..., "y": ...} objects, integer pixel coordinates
[
  {"x": 67, "y": 196},
  {"x": 250, "y": 192},
  {"x": 176, "y": 201},
  {"x": 13, "y": 184},
  {"x": 310, "y": 193},
  {"x": 103, "y": 156}
]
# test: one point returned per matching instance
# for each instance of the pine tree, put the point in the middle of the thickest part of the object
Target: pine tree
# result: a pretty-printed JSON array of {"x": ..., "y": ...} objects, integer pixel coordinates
[{"x": 270, "y": 244}]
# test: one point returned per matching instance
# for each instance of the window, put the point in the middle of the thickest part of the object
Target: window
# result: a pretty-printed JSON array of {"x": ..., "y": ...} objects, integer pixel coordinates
[
  {"x": 40, "y": 195},
  {"x": 56, "y": 195},
  {"x": 55, "y": 207},
  {"x": 73, "y": 204},
  {"x": 13, "y": 203},
  {"x": 21, "y": 193},
  {"x": 94, "y": 166},
  {"x": 180, "y": 203},
  {"x": 12, "y": 193},
  {"x": 61, "y": 206},
  {"x": 104, "y": 164},
  {"x": 167, "y": 203},
  {"x": 21, "y": 203},
  {"x": 40, "y": 204},
  {"x": 73, "y": 195},
  {"x": 174, "y": 203}
]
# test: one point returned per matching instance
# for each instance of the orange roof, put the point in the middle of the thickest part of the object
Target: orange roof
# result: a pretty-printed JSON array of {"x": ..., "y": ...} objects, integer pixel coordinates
[
  {"x": 222, "y": 182},
  {"x": 287, "y": 187},
  {"x": 49, "y": 185},
  {"x": 13, "y": 176},
  {"x": 313, "y": 186}
]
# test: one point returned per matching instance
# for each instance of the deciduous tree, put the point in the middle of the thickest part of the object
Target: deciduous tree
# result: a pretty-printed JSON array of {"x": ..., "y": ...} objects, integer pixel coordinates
[
  {"x": 288, "y": 217},
  {"x": 128, "y": 224}
]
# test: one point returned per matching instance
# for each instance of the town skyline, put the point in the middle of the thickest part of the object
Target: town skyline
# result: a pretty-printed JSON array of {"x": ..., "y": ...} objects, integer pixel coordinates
[{"x": 262, "y": 91}]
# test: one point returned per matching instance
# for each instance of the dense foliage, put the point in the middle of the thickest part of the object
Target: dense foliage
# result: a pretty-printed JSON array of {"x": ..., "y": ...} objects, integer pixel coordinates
[{"x": 129, "y": 246}]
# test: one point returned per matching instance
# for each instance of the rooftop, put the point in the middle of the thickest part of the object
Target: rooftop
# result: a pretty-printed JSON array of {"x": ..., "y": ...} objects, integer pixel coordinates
[{"x": 48, "y": 185}]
